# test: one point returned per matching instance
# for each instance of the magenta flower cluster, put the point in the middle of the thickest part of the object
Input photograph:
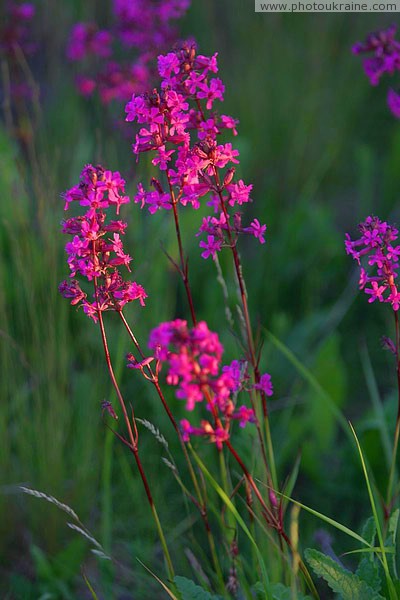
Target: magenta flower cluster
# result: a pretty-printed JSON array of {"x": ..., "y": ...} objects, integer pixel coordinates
[
  {"x": 194, "y": 368},
  {"x": 96, "y": 252},
  {"x": 385, "y": 58},
  {"x": 143, "y": 28},
  {"x": 16, "y": 36},
  {"x": 181, "y": 128},
  {"x": 16, "y": 31},
  {"x": 376, "y": 245}
]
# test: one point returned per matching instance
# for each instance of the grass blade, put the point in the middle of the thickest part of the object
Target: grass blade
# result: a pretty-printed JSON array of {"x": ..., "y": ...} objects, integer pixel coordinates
[
  {"x": 311, "y": 380},
  {"x": 392, "y": 591},
  {"x": 166, "y": 588},
  {"x": 225, "y": 498}
]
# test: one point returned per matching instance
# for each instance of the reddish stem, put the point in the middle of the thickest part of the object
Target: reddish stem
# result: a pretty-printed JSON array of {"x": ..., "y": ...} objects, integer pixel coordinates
[
  {"x": 270, "y": 517},
  {"x": 183, "y": 261},
  {"x": 243, "y": 294},
  {"x": 154, "y": 380},
  {"x": 132, "y": 437}
]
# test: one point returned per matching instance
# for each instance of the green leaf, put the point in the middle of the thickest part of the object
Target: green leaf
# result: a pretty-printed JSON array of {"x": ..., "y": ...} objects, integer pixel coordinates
[
  {"x": 391, "y": 541},
  {"x": 368, "y": 571},
  {"x": 191, "y": 591},
  {"x": 66, "y": 563},
  {"x": 385, "y": 564},
  {"x": 328, "y": 370},
  {"x": 238, "y": 518},
  {"x": 282, "y": 592},
  {"x": 328, "y": 520},
  {"x": 340, "y": 580},
  {"x": 308, "y": 376},
  {"x": 279, "y": 592},
  {"x": 369, "y": 531}
]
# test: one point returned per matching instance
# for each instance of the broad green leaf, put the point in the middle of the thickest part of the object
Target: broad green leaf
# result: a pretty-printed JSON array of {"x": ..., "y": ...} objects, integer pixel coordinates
[
  {"x": 369, "y": 530},
  {"x": 368, "y": 571},
  {"x": 328, "y": 370},
  {"x": 340, "y": 580},
  {"x": 308, "y": 376},
  {"x": 66, "y": 563},
  {"x": 279, "y": 592},
  {"x": 321, "y": 422},
  {"x": 282, "y": 592},
  {"x": 191, "y": 591},
  {"x": 391, "y": 540}
]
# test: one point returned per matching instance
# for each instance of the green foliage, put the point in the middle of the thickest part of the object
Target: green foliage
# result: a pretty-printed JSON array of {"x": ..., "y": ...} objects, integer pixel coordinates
[
  {"x": 391, "y": 540},
  {"x": 340, "y": 580},
  {"x": 190, "y": 591},
  {"x": 279, "y": 592},
  {"x": 329, "y": 370},
  {"x": 319, "y": 158},
  {"x": 368, "y": 569}
]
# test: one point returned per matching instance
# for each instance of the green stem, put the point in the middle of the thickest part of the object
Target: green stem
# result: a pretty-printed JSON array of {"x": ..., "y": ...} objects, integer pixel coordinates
[
  {"x": 227, "y": 489},
  {"x": 393, "y": 464},
  {"x": 271, "y": 455},
  {"x": 160, "y": 531},
  {"x": 392, "y": 471},
  {"x": 271, "y": 471}
]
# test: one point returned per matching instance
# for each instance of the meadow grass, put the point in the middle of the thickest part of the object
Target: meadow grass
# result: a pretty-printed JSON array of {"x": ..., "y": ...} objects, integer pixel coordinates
[{"x": 321, "y": 149}]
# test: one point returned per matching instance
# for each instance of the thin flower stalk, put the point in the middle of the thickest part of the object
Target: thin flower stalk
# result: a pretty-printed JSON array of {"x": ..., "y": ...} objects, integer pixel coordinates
[
  {"x": 392, "y": 471},
  {"x": 200, "y": 502},
  {"x": 96, "y": 259},
  {"x": 184, "y": 266},
  {"x": 377, "y": 255},
  {"x": 181, "y": 128},
  {"x": 271, "y": 472}
]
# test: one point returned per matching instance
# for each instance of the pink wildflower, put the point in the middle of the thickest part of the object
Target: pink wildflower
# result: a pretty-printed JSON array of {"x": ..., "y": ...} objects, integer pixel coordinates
[
  {"x": 194, "y": 368},
  {"x": 92, "y": 254},
  {"x": 376, "y": 247}
]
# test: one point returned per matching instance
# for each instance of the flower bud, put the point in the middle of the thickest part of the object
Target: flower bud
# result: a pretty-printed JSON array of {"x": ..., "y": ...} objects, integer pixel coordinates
[{"x": 229, "y": 176}]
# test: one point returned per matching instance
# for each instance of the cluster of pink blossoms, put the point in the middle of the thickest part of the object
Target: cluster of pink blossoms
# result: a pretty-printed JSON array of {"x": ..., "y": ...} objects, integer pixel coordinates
[
  {"x": 376, "y": 244},
  {"x": 95, "y": 252},
  {"x": 194, "y": 367},
  {"x": 179, "y": 125},
  {"x": 385, "y": 59},
  {"x": 16, "y": 36},
  {"x": 144, "y": 27}
]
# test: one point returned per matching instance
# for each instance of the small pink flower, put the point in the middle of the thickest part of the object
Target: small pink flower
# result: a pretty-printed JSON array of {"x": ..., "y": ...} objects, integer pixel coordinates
[
  {"x": 257, "y": 230},
  {"x": 265, "y": 385}
]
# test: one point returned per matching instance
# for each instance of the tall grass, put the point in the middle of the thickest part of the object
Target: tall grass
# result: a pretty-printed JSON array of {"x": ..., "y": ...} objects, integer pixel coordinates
[{"x": 312, "y": 134}]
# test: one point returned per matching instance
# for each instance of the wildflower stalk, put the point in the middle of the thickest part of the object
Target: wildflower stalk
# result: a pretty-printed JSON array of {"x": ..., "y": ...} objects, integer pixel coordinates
[
  {"x": 249, "y": 332},
  {"x": 200, "y": 502},
  {"x": 132, "y": 438},
  {"x": 183, "y": 261},
  {"x": 392, "y": 471},
  {"x": 267, "y": 513},
  {"x": 154, "y": 380},
  {"x": 227, "y": 489},
  {"x": 270, "y": 517}
]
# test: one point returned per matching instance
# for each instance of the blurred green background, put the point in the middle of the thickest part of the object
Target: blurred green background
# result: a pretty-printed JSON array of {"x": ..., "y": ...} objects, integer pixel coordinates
[{"x": 322, "y": 150}]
